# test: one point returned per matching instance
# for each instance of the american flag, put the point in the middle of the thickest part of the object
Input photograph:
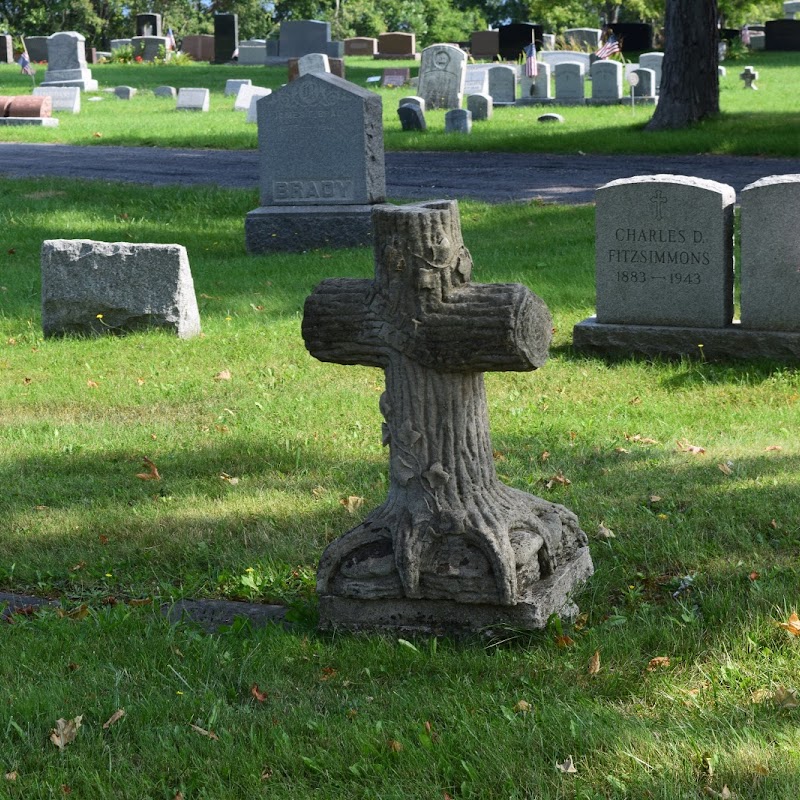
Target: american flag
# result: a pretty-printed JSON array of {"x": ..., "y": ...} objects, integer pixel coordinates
[
  {"x": 531, "y": 70},
  {"x": 609, "y": 48},
  {"x": 746, "y": 36},
  {"x": 171, "y": 43},
  {"x": 25, "y": 63}
]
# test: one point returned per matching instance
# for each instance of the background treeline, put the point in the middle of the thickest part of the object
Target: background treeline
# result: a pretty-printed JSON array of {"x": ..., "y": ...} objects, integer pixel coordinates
[{"x": 431, "y": 20}]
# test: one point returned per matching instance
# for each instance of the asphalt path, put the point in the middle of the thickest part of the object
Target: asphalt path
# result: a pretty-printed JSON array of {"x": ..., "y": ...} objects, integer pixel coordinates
[{"x": 493, "y": 177}]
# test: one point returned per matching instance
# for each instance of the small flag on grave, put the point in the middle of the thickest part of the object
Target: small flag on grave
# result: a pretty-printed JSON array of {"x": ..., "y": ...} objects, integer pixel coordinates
[
  {"x": 609, "y": 48},
  {"x": 531, "y": 69}
]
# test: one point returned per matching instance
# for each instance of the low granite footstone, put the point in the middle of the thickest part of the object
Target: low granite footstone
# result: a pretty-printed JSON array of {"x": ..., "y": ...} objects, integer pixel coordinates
[
  {"x": 458, "y": 120},
  {"x": 452, "y": 550},
  {"x": 442, "y": 73},
  {"x": 256, "y": 93},
  {"x": 550, "y": 118},
  {"x": 664, "y": 251},
  {"x": 193, "y": 99},
  {"x": 245, "y": 95},
  {"x": 165, "y": 91},
  {"x": 412, "y": 118},
  {"x": 770, "y": 254},
  {"x": 412, "y": 100},
  {"x": 63, "y": 98},
  {"x": 38, "y": 107},
  {"x": 480, "y": 106},
  {"x": 321, "y": 166},
  {"x": 395, "y": 76},
  {"x": 100, "y": 288},
  {"x": 125, "y": 92}
]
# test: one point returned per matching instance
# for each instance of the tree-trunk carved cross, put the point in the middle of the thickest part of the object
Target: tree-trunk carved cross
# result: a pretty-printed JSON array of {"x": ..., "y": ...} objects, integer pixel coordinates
[{"x": 449, "y": 529}]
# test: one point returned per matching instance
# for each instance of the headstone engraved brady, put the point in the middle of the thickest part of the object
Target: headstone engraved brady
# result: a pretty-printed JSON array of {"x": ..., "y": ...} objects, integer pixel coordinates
[
  {"x": 66, "y": 62},
  {"x": 256, "y": 93},
  {"x": 232, "y": 85},
  {"x": 193, "y": 99},
  {"x": 64, "y": 98},
  {"x": 607, "y": 83},
  {"x": 321, "y": 166},
  {"x": 653, "y": 61},
  {"x": 503, "y": 85},
  {"x": 6, "y": 49},
  {"x": 749, "y": 76},
  {"x": 253, "y": 52},
  {"x": 101, "y": 288},
  {"x": 583, "y": 38},
  {"x": 148, "y": 24},
  {"x": 412, "y": 118},
  {"x": 770, "y": 254},
  {"x": 37, "y": 48},
  {"x": 536, "y": 89},
  {"x": 397, "y": 45},
  {"x": 664, "y": 251},
  {"x": 441, "y": 76},
  {"x": 360, "y": 46},
  {"x": 484, "y": 45},
  {"x": 480, "y": 106},
  {"x": 458, "y": 120},
  {"x": 199, "y": 46},
  {"x": 395, "y": 76},
  {"x": 452, "y": 549},
  {"x": 476, "y": 80},
  {"x": 570, "y": 82},
  {"x": 514, "y": 38},
  {"x": 226, "y": 37}
]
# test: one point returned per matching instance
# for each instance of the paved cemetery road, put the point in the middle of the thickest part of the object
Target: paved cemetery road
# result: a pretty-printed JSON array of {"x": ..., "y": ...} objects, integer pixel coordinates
[{"x": 494, "y": 177}]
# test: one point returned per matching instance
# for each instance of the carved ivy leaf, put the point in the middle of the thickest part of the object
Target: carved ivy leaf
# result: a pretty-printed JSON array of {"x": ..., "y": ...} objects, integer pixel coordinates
[
  {"x": 436, "y": 476},
  {"x": 407, "y": 435},
  {"x": 403, "y": 471}
]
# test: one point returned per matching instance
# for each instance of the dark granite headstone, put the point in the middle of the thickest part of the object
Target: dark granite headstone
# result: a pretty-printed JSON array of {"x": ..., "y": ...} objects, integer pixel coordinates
[
  {"x": 199, "y": 46},
  {"x": 148, "y": 24},
  {"x": 783, "y": 34},
  {"x": 514, "y": 38},
  {"x": 633, "y": 36},
  {"x": 226, "y": 37},
  {"x": 6, "y": 49},
  {"x": 36, "y": 47},
  {"x": 412, "y": 118},
  {"x": 303, "y": 36}
]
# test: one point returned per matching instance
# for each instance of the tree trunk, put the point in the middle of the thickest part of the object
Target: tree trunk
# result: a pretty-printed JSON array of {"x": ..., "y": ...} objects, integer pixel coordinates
[{"x": 689, "y": 78}]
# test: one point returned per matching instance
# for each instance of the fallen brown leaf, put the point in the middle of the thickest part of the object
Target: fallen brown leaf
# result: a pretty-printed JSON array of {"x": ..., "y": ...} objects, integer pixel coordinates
[
  {"x": 685, "y": 447},
  {"x": 567, "y": 767},
  {"x": 395, "y": 746},
  {"x": 352, "y": 503},
  {"x": 559, "y": 477},
  {"x": 621, "y": 450},
  {"x": 152, "y": 474},
  {"x": 637, "y": 437},
  {"x": 257, "y": 693},
  {"x": 204, "y": 732},
  {"x": 225, "y": 375},
  {"x": 725, "y": 794},
  {"x": 522, "y": 707},
  {"x": 77, "y": 614},
  {"x": 11, "y": 776},
  {"x": 594, "y": 663},
  {"x": 92, "y": 384},
  {"x": 229, "y": 479},
  {"x": 545, "y": 455},
  {"x": 657, "y": 663},
  {"x": 784, "y": 697},
  {"x": 792, "y": 624},
  {"x": 564, "y": 641},
  {"x": 115, "y": 717},
  {"x": 605, "y": 533},
  {"x": 65, "y": 732},
  {"x": 772, "y": 447},
  {"x": 103, "y": 539},
  {"x": 754, "y": 576}
]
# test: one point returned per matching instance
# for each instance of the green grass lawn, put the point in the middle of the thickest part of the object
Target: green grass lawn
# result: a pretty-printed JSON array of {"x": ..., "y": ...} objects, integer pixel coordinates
[
  {"x": 702, "y": 566},
  {"x": 752, "y": 123}
]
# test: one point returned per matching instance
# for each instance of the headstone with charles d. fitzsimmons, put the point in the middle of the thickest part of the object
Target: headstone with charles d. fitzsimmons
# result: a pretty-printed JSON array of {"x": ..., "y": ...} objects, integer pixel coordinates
[{"x": 664, "y": 252}]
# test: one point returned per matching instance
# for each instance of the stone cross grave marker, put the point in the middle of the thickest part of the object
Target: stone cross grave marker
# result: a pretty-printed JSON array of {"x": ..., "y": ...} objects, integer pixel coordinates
[
  {"x": 442, "y": 72},
  {"x": 452, "y": 548},
  {"x": 664, "y": 251},
  {"x": 749, "y": 76}
]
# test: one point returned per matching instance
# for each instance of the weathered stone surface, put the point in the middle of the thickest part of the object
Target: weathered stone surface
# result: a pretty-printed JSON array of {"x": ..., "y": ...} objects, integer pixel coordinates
[
  {"x": 709, "y": 344},
  {"x": 503, "y": 84},
  {"x": 458, "y": 120},
  {"x": 480, "y": 106},
  {"x": 211, "y": 615},
  {"x": 397, "y": 45},
  {"x": 770, "y": 254},
  {"x": 450, "y": 532},
  {"x": 245, "y": 95},
  {"x": 91, "y": 287},
  {"x": 412, "y": 117},
  {"x": 165, "y": 91},
  {"x": 256, "y": 93},
  {"x": 536, "y": 90},
  {"x": 253, "y": 52},
  {"x": 360, "y": 46},
  {"x": 441, "y": 76},
  {"x": 232, "y": 86},
  {"x": 313, "y": 63},
  {"x": 476, "y": 79},
  {"x": 653, "y": 61},
  {"x": 412, "y": 100},
  {"x": 125, "y": 92},
  {"x": 63, "y": 98},
  {"x": 607, "y": 82},
  {"x": 664, "y": 251},
  {"x": 569, "y": 82},
  {"x": 190, "y": 99},
  {"x": 66, "y": 62},
  {"x": 556, "y": 57}
]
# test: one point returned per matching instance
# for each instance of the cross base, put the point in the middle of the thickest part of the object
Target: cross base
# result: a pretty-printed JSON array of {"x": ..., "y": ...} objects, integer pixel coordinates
[
  {"x": 293, "y": 229},
  {"x": 448, "y": 618}
]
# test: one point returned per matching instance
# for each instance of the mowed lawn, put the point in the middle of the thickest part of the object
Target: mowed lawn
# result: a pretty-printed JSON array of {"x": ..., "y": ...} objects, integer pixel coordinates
[
  {"x": 678, "y": 680},
  {"x": 762, "y": 122}
]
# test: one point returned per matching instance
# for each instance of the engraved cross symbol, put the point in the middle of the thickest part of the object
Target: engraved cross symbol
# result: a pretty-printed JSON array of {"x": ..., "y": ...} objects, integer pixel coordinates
[{"x": 658, "y": 200}]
